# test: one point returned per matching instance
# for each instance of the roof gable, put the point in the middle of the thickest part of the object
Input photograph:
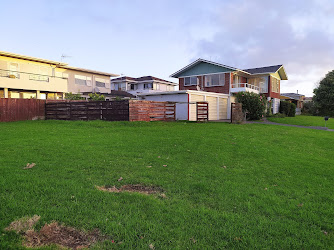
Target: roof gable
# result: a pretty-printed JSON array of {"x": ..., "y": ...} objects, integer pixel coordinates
[
  {"x": 279, "y": 69},
  {"x": 202, "y": 67}
]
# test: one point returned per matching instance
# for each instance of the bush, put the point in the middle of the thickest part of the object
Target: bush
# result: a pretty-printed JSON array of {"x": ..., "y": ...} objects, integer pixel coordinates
[
  {"x": 70, "y": 96},
  {"x": 279, "y": 115},
  {"x": 253, "y": 104},
  {"x": 96, "y": 97},
  {"x": 309, "y": 108},
  {"x": 287, "y": 108}
]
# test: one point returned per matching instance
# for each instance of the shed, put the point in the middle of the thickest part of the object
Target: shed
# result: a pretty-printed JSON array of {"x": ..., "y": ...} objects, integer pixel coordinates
[{"x": 218, "y": 104}]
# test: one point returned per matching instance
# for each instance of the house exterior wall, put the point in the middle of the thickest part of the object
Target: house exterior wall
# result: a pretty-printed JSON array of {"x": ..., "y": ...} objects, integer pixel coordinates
[
  {"x": 43, "y": 80},
  {"x": 271, "y": 93},
  {"x": 216, "y": 89},
  {"x": 73, "y": 87},
  {"x": 27, "y": 69},
  {"x": 202, "y": 69}
]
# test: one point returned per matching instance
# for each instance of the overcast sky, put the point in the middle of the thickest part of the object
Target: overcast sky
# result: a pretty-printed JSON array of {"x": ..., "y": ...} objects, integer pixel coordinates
[{"x": 158, "y": 37}]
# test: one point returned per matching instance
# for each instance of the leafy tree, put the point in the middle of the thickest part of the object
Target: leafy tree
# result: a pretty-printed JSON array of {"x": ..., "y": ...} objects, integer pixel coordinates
[
  {"x": 324, "y": 95},
  {"x": 253, "y": 104},
  {"x": 70, "y": 96},
  {"x": 96, "y": 97}
]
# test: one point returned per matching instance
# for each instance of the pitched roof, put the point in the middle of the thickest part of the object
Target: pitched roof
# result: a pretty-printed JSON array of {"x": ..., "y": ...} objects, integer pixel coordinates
[
  {"x": 294, "y": 96},
  {"x": 262, "y": 70},
  {"x": 141, "y": 79}
]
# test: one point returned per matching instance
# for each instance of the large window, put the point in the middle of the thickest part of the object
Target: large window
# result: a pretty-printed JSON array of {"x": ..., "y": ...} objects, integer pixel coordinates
[
  {"x": 83, "y": 80},
  {"x": 100, "y": 82},
  {"x": 188, "y": 81},
  {"x": 274, "y": 85},
  {"x": 215, "y": 80}
]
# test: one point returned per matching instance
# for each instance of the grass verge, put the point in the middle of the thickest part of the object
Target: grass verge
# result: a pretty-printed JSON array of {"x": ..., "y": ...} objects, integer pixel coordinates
[{"x": 304, "y": 120}]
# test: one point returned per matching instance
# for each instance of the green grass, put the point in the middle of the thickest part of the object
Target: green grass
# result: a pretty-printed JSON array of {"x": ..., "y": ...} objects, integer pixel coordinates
[
  {"x": 304, "y": 120},
  {"x": 252, "y": 203}
]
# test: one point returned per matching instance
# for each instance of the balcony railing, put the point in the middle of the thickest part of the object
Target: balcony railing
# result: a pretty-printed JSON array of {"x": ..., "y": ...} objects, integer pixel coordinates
[
  {"x": 9, "y": 74},
  {"x": 245, "y": 85}
]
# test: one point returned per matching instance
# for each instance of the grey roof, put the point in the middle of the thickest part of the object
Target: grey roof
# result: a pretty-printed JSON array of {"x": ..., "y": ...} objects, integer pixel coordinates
[
  {"x": 267, "y": 69},
  {"x": 294, "y": 96}
]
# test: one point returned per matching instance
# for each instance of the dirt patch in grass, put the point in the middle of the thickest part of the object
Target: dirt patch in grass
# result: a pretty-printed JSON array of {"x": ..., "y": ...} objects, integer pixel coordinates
[
  {"x": 137, "y": 188},
  {"x": 23, "y": 224},
  {"x": 54, "y": 233}
]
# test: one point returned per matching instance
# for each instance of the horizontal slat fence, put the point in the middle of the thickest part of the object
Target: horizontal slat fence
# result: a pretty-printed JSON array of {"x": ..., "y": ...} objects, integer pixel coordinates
[
  {"x": 21, "y": 109},
  {"x": 151, "y": 111},
  {"x": 126, "y": 110},
  {"x": 97, "y": 110}
]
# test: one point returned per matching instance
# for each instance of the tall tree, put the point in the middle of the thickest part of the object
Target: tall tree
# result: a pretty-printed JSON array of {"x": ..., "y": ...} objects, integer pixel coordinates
[{"x": 324, "y": 95}]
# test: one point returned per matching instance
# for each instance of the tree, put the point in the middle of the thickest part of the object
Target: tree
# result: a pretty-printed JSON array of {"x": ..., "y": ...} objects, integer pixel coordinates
[
  {"x": 324, "y": 95},
  {"x": 253, "y": 104}
]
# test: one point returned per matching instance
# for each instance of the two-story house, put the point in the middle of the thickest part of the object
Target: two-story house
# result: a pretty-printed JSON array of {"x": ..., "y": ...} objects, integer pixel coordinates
[
  {"x": 30, "y": 77},
  {"x": 216, "y": 84},
  {"x": 141, "y": 85}
]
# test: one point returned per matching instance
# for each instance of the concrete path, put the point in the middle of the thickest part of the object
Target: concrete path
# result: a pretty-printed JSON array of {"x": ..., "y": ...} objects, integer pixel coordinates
[{"x": 290, "y": 125}]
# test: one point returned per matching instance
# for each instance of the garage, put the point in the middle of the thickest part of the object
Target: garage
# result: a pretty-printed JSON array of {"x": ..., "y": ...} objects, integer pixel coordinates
[{"x": 218, "y": 104}]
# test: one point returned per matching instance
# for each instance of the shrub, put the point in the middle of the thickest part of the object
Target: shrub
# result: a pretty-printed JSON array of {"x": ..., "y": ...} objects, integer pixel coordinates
[
  {"x": 96, "y": 97},
  {"x": 70, "y": 96},
  {"x": 279, "y": 115},
  {"x": 253, "y": 104},
  {"x": 287, "y": 108}
]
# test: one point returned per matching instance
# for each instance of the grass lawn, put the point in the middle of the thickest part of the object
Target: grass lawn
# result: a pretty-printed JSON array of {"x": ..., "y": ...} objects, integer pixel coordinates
[
  {"x": 276, "y": 191},
  {"x": 304, "y": 120}
]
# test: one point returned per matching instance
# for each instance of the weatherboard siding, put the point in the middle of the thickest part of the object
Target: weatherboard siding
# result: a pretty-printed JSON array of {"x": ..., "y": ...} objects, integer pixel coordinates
[{"x": 203, "y": 69}]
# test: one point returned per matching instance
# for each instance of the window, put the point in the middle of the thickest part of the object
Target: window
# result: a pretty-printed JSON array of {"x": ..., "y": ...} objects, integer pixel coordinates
[
  {"x": 61, "y": 75},
  {"x": 13, "y": 70},
  {"x": 133, "y": 86},
  {"x": 274, "y": 85},
  {"x": 116, "y": 86},
  {"x": 263, "y": 84},
  {"x": 215, "y": 80},
  {"x": 83, "y": 80},
  {"x": 100, "y": 82},
  {"x": 188, "y": 81},
  {"x": 148, "y": 86}
]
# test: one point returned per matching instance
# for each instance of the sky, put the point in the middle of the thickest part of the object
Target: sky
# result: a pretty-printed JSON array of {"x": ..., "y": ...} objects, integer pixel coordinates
[{"x": 158, "y": 37}]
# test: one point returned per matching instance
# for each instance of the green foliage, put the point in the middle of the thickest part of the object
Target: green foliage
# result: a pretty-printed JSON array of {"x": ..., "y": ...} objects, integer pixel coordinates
[
  {"x": 269, "y": 106},
  {"x": 96, "y": 97},
  {"x": 324, "y": 95},
  {"x": 118, "y": 98},
  {"x": 71, "y": 96},
  {"x": 251, "y": 186},
  {"x": 253, "y": 104},
  {"x": 309, "y": 108},
  {"x": 278, "y": 115},
  {"x": 287, "y": 108}
]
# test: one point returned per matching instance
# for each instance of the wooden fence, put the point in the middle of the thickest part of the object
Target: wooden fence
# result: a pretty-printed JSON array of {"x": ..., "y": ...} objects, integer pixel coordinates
[
  {"x": 202, "y": 111},
  {"x": 84, "y": 110},
  {"x": 126, "y": 110},
  {"x": 21, "y": 109}
]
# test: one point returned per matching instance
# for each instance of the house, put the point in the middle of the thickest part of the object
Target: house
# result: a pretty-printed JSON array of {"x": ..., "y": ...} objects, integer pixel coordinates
[
  {"x": 30, "y": 77},
  {"x": 217, "y": 83},
  {"x": 295, "y": 98},
  {"x": 140, "y": 85}
]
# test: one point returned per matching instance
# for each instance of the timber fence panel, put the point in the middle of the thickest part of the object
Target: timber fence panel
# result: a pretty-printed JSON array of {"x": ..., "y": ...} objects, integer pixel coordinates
[{"x": 12, "y": 109}]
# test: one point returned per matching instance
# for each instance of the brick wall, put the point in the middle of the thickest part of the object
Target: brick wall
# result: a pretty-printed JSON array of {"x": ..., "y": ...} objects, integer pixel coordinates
[{"x": 270, "y": 92}]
